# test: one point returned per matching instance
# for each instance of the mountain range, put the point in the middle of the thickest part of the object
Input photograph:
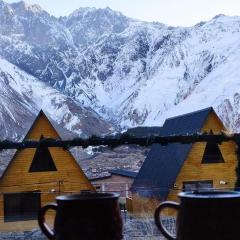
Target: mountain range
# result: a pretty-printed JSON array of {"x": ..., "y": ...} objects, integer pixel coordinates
[{"x": 97, "y": 71}]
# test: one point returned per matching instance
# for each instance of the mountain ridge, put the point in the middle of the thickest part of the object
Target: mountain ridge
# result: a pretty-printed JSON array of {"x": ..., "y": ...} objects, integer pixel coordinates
[{"x": 130, "y": 72}]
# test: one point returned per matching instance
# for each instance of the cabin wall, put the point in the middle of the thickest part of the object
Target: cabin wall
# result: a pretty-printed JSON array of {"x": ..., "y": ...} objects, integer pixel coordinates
[
  {"x": 42, "y": 126},
  {"x": 194, "y": 170},
  {"x": 68, "y": 170},
  {"x": 68, "y": 178},
  {"x": 115, "y": 183}
]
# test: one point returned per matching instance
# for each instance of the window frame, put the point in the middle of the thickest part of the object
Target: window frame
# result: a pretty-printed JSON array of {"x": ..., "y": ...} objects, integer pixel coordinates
[
  {"x": 25, "y": 206},
  {"x": 197, "y": 185}
]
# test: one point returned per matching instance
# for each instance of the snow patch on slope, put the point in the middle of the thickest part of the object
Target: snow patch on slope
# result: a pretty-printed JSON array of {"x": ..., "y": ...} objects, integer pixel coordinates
[{"x": 33, "y": 95}]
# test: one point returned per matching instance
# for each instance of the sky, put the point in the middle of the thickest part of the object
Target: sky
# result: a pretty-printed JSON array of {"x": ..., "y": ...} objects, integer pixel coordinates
[{"x": 171, "y": 12}]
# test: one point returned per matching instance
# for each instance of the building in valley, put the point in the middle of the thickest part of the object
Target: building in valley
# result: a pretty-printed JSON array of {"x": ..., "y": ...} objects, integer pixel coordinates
[{"x": 118, "y": 180}]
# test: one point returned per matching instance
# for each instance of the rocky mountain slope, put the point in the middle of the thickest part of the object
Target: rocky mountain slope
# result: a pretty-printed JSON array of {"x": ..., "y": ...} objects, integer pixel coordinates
[
  {"x": 21, "y": 97},
  {"x": 128, "y": 71}
]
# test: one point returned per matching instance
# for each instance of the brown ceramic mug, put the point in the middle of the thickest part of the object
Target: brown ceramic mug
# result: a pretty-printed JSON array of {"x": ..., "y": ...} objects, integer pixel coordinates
[
  {"x": 208, "y": 215},
  {"x": 88, "y": 216}
]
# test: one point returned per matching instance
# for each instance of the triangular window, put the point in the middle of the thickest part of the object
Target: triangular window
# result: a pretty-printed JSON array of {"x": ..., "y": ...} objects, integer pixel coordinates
[
  {"x": 42, "y": 160},
  {"x": 212, "y": 154}
]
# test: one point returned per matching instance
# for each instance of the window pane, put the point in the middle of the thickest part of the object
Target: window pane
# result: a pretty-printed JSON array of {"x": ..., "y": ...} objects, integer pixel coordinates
[
  {"x": 197, "y": 185},
  {"x": 21, "y": 206}
]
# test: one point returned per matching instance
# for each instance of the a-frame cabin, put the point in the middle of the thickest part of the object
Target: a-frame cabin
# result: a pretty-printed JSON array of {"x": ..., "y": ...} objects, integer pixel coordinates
[
  {"x": 35, "y": 177},
  {"x": 167, "y": 170}
]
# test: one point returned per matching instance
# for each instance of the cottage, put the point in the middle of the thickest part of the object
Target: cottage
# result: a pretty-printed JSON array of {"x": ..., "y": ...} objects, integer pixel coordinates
[
  {"x": 185, "y": 167},
  {"x": 35, "y": 177},
  {"x": 118, "y": 180}
]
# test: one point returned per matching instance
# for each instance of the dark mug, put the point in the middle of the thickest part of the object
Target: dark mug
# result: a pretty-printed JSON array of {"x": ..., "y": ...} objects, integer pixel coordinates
[
  {"x": 87, "y": 216},
  {"x": 208, "y": 215}
]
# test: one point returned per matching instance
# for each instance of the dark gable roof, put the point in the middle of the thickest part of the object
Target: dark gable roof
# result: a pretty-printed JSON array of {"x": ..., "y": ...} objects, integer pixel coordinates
[
  {"x": 119, "y": 172},
  {"x": 144, "y": 131},
  {"x": 187, "y": 123},
  {"x": 96, "y": 178},
  {"x": 163, "y": 163},
  {"x": 123, "y": 173}
]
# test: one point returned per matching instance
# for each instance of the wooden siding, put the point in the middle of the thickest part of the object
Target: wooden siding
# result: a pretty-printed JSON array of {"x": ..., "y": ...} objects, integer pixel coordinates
[
  {"x": 69, "y": 177},
  {"x": 115, "y": 183},
  {"x": 194, "y": 170}
]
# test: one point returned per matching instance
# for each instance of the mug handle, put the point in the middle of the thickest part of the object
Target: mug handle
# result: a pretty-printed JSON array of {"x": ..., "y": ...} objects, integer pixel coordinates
[
  {"x": 158, "y": 222},
  {"x": 41, "y": 220}
]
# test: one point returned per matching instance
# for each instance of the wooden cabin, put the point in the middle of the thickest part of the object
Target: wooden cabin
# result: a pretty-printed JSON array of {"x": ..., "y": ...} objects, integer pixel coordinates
[
  {"x": 168, "y": 170},
  {"x": 35, "y": 177},
  {"x": 118, "y": 180}
]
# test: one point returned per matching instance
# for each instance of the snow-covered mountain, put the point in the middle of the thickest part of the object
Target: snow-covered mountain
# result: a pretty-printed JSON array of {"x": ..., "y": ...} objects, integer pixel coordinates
[
  {"x": 128, "y": 71},
  {"x": 21, "y": 97}
]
